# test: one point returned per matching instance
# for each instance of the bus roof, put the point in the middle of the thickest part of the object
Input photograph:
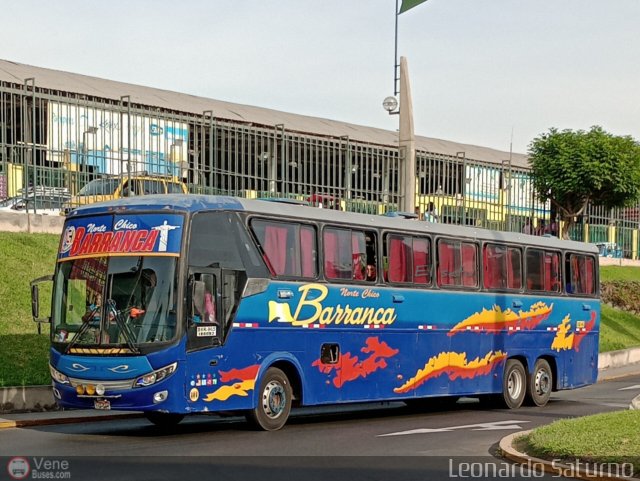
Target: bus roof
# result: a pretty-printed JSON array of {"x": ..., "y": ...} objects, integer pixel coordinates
[{"x": 190, "y": 203}]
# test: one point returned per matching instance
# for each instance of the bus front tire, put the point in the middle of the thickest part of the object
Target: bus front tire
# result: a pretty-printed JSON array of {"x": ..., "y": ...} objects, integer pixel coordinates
[
  {"x": 540, "y": 383},
  {"x": 274, "y": 401},
  {"x": 514, "y": 384},
  {"x": 163, "y": 419}
]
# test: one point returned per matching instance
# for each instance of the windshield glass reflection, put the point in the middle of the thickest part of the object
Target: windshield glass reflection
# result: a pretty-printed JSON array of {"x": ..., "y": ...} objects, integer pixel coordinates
[{"x": 115, "y": 301}]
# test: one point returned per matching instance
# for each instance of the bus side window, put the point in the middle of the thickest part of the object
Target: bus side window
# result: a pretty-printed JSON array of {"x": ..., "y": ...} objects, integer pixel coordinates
[
  {"x": 422, "y": 261},
  {"x": 579, "y": 271},
  {"x": 204, "y": 330}
]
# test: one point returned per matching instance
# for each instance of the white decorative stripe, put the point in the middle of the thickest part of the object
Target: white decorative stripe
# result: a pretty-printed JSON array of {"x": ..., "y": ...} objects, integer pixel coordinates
[
  {"x": 245, "y": 324},
  {"x": 554, "y": 329},
  {"x": 313, "y": 326},
  {"x": 373, "y": 326},
  {"x": 425, "y": 328}
]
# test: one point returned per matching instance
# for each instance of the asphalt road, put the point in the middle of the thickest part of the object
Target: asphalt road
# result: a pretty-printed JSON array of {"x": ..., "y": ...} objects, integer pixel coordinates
[{"x": 355, "y": 442}]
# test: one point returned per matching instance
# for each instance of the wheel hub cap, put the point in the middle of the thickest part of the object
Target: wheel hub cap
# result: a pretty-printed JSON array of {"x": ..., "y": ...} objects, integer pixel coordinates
[
  {"x": 273, "y": 399},
  {"x": 514, "y": 385},
  {"x": 542, "y": 382}
]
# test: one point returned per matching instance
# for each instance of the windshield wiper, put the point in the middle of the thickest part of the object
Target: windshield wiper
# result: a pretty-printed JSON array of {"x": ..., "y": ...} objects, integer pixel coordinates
[
  {"x": 124, "y": 327},
  {"x": 83, "y": 329}
]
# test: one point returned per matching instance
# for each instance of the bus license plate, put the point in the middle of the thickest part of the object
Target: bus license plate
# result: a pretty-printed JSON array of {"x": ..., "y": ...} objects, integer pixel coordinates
[{"x": 103, "y": 404}]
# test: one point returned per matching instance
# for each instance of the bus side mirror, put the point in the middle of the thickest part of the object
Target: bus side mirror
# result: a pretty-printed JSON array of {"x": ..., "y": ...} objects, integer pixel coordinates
[
  {"x": 35, "y": 306},
  {"x": 35, "y": 299}
]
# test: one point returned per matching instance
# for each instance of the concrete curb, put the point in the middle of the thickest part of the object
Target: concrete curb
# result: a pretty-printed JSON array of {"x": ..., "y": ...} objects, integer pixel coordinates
[
  {"x": 27, "y": 398},
  {"x": 635, "y": 403},
  {"x": 25, "y": 423},
  {"x": 620, "y": 358},
  {"x": 555, "y": 468}
]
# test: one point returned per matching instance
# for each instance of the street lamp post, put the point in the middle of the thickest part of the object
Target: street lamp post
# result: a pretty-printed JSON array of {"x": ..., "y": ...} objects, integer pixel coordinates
[{"x": 406, "y": 135}]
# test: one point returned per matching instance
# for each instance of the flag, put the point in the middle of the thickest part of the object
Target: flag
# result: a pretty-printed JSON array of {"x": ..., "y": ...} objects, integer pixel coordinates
[{"x": 408, "y": 4}]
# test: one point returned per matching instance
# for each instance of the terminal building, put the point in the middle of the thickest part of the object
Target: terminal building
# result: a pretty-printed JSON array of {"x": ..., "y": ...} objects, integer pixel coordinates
[{"x": 60, "y": 130}]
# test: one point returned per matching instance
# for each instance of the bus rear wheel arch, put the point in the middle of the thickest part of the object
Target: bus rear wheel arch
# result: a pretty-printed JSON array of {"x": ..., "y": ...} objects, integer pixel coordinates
[
  {"x": 539, "y": 383},
  {"x": 274, "y": 399}
]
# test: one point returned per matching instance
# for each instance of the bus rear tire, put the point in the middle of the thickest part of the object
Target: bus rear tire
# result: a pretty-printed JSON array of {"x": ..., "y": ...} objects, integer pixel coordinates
[
  {"x": 539, "y": 383},
  {"x": 274, "y": 401},
  {"x": 514, "y": 384},
  {"x": 163, "y": 419}
]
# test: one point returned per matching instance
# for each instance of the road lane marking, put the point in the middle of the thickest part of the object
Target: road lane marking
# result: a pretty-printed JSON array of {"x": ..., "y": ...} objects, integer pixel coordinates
[
  {"x": 637, "y": 386},
  {"x": 492, "y": 426}
]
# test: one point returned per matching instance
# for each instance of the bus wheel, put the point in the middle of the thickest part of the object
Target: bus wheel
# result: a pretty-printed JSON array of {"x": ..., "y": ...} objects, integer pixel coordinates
[
  {"x": 540, "y": 384},
  {"x": 514, "y": 384},
  {"x": 274, "y": 402},
  {"x": 163, "y": 419}
]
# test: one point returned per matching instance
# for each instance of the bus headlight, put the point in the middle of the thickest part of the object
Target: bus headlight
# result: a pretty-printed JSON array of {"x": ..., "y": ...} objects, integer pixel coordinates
[
  {"x": 58, "y": 376},
  {"x": 155, "y": 376}
]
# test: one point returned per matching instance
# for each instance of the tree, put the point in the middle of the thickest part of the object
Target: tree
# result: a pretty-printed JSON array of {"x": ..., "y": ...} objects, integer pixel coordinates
[{"x": 573, "y": 169}]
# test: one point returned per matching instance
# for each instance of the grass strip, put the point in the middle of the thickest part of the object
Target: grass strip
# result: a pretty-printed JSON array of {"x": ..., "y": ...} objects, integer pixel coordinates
[{"x": 602, "y": 438}]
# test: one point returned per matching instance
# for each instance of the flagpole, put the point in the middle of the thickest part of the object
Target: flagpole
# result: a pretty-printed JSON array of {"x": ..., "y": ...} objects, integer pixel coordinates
[{"x": 395, "y": 60}]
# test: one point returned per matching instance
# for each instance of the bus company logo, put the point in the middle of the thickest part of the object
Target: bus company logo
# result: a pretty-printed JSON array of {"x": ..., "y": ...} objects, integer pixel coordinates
[
  {"x": 67, "y": 239},
  {"x": 311, "y": 303},
  {"x": 18, "y": 468},
  {"x": 109, "y": 242}
]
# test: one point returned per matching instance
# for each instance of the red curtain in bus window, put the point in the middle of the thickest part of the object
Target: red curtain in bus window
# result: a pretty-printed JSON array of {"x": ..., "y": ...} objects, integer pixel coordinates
[
  {"x": 588, "y": 277},
  {"x": 308, "y": 251},
  {"x": 514, "y": 269},
  {"x": 446, "y": 264},
  {"x": 397, "y": 259},
  {"x": 330, "y": 254},
  {"x": 491, "y": 267},
  {"x": 421, "y": 262},
  {"x": 275, "y": 248},
  {"x": 358, "y": 255},
  {"x": 469, "y": 267},
  {"x": 575, "y": 281},
  {"x": 551, "y": 272}
]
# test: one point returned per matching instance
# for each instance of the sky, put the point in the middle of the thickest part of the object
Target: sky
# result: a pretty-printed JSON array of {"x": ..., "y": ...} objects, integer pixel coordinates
[{"x": 495, "y": 73}]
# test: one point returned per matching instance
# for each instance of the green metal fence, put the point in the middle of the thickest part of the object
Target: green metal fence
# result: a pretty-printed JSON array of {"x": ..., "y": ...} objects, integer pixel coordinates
[{"x": 52, "y": 144}]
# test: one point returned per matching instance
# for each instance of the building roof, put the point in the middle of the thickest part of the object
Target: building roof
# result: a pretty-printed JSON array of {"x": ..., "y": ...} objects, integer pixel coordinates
[{"x": 16, "y": 73}]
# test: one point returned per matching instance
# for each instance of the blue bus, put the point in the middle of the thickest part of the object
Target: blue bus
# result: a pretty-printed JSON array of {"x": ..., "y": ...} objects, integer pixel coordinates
[{"x": 179, "y": 304}]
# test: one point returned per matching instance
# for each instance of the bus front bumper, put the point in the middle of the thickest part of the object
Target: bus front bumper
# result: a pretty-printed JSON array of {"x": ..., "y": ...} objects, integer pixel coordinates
[{"x": 162, "y": 396}]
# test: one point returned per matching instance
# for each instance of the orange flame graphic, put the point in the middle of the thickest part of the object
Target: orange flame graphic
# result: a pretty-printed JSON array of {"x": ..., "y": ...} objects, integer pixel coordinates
[
  {"x": 247, "y": 378},
  {"x": 454, "y": 365},
  {"x": 564, "y": 341},
  {"x": 496, "y": 319}
]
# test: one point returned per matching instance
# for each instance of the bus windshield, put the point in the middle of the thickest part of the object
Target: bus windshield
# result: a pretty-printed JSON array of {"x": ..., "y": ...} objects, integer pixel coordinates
[{"x": 115, "y": 301}]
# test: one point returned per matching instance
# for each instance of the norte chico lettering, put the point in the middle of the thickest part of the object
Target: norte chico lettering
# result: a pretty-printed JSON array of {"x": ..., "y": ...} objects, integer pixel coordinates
[{"x": 86, "y": 243}]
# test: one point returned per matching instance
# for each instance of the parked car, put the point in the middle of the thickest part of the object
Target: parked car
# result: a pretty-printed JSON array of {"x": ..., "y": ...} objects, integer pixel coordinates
[
  {"x": 46, "y": 205},
  {"x": 116, "y": 187}
]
